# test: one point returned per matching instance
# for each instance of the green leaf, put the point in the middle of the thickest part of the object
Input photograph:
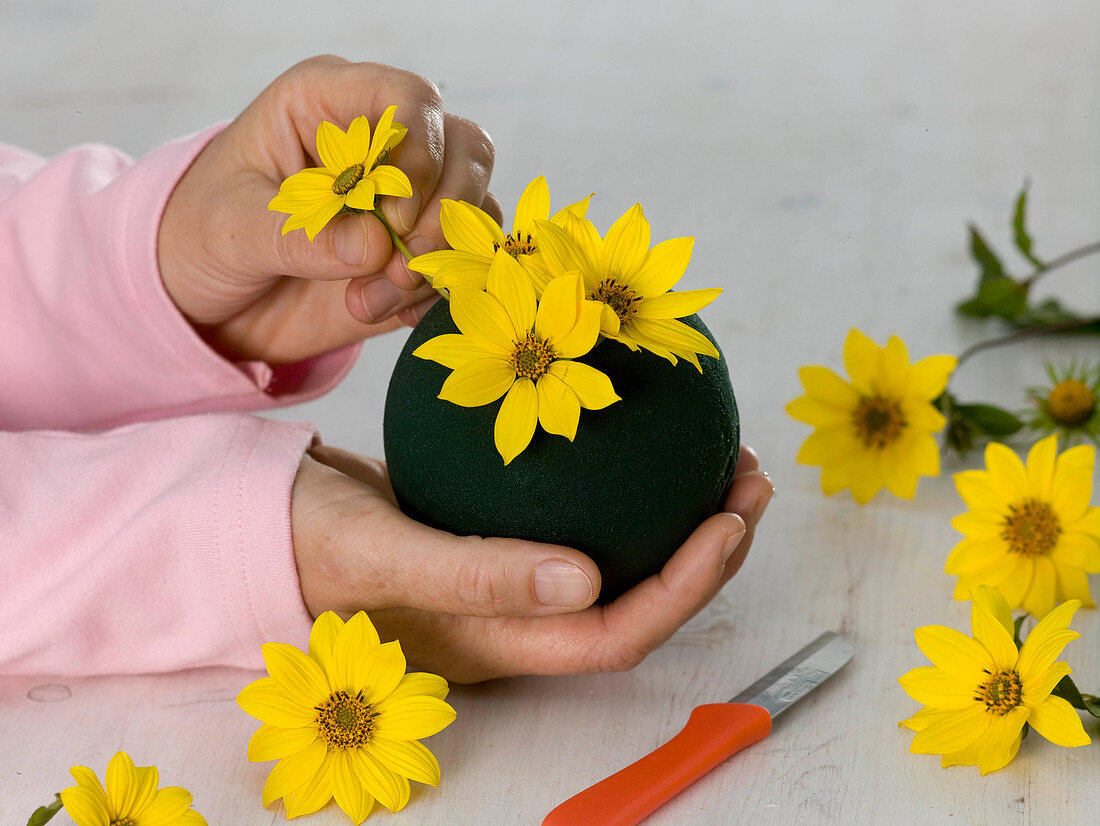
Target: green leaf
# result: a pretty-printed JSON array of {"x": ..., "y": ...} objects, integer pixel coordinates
[
  {"x": 1001, "y": 297},
  {"x": 1023, "y": 240},
  {"x": 991, "y": 269},
  {"x": 1016, "y": 623},
  {"x": 1067, "y": 690},
  {"x": 44, "y": 814},
  {"x": 1049, "y": 312},
  {"x": 990, "y": 420}
]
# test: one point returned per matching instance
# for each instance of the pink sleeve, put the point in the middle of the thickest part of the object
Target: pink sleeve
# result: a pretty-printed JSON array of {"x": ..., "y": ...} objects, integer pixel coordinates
[
  {"x": 89, "y": 338},
  {"x": 152, "y": 547}
]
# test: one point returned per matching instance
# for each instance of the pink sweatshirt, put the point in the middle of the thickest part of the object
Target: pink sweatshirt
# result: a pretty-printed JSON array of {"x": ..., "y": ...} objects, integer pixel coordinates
[{"x": 143, "y": 530}]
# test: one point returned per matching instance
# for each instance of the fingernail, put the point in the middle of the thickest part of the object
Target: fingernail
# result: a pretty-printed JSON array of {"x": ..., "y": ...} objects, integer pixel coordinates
[
  {"x": 731, "y": 544},
  {"x": 408, "y": 209},
  {"x": 380, "y": 297},
  {"x": 761, "y": 505},
  {"x": 562, "y": 584},
  {"x": 349, "y": 240},
  {"x": 418, "y": 246}
]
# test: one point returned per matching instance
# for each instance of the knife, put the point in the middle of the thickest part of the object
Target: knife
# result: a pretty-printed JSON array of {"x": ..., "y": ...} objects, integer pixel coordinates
[{"x": 713, "y": 733}]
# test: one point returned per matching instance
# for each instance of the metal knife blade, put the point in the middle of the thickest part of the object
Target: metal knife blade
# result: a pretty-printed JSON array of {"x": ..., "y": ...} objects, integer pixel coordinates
[{"x": 796, "y": 676}]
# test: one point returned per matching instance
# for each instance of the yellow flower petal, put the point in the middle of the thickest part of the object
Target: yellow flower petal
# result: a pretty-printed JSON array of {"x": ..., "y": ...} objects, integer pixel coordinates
[
  {"x": 379, "y": 670},
  {"x": 293, "y": 772},
  {"x": 928, "y": 377},
  {"x": 509, "y": 284},
  {"x": 408, "y": 759},
  {"x": 1041, "y": 460},
  {"x": 576, "y": 209},
  {"x": 318, "y": 218},
  {"x": 1002, "y": 741},
  {"x": 973, "y": 558},
  {"x": 332, "y": 148},
  {"x": 390, "y": 789},
  {"x": 119, "y": 783},
  {"x": 952, "y": 733},
  {"x": 412, "y": 718},
  {"x": 144, "y": 788},
  {"x": 993, "y": 636},
  {"x": 516, "y": 420},
  {"x": 534, "y": 204},
  {"x": 991, "y": 600},
  {"x": 312, "y": 795},
  {"x": 861, "y": 360},
  {"x": 85, "y": 807},
  {"x": 663, "y": 267},
  {"x": 450, "y": 349},
  {"x": 1079, "y": 550},
  {"x": 1071, "y": 488},
  {"x": 470, "y": 273},
  {"x": 322, "y": 639},
  {"x": 1058, "y": 722},
  {"x": 557, "y": 311},
  {"x": 626, "y": 245},
  {"x": 559, "y": 409},
  {"x": 588, "y": 245},
  {"x": 357, "y": 143},
  {"x": 421, "y": 683},
  {"x": 87, "y": 778},
  {"x": 1038, "y": 689},
  {"x": 273, "y": 743},
  {"x": 672, "y": 335},
  {"x": 934, "y": 687},
  {"x": 469, "y": 229},
  {"x": 1074, "y": 584},
  {"x": 297, "y": 675},
  {"x": 954, "y": 652},
  {"x": 478, "y": 382},
  {"x": 593, "y": 388},
  {"x": 825, "y": 386},
  {"x": 677, "y": 305},
  {"x": 1006, "y": 472},
  {"x": 558, "y": 251},
  {"x": 1041, "y": 594},
  {"x": 266, "y": 700},
  {"x": 389, "y": 180},
  {"x": 818, "y": 413},
  {"x": 354, "y": 658},
  {"x": 975, "y": 489},
  {"x": 169, "y": 805},
  {"x": 362, "y": 196},
  {"x": 483, "y": 318},
  {"x": 348, "y": 790},
  {"x": 823, "y": 447},
  {"x": 432, "y": 262},
  {"x": 1046, "y": 641},
  {"x": 585, "y": 332}
]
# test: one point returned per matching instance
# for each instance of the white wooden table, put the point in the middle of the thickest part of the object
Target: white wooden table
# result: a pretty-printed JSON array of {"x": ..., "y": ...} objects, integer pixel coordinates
[{"x": 827, "y": 157}]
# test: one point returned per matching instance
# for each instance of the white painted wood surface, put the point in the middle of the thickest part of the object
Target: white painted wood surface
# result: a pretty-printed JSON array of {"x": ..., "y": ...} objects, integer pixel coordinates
[{"x": 827, "y": 157}]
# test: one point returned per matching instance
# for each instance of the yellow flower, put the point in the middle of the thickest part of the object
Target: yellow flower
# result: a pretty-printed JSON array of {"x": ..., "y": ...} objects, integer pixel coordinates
[
  {"x": 354, "y": 173},
  {"x": 475, "y": 239},
  {"x": 1030, "y": 531},
  {"x": 131, "y": 797},
  {"x": 344, "y": 721},
  {"x": 514, "y": 346},
  {"x": 1070, "y": 405},
  {"x": 981, "y": 690},
  {"x": 633, "y": 282},
  {"x": 875, "y": 431}
]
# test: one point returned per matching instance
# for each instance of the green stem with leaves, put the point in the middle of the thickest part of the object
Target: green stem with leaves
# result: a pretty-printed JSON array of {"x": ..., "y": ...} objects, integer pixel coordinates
[{"x": 1061, "y": 261}]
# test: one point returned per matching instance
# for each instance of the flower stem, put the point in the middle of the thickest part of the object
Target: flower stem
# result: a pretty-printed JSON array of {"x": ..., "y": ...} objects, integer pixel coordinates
[
  {"x": 1023, "y": 335},
  {"x": 394, "y": 237},
  {"x": 1061, "y": 261}
]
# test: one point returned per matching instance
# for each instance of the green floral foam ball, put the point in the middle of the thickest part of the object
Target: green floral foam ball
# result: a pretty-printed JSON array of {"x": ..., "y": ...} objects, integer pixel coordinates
[{"x": 638, "y": 478}]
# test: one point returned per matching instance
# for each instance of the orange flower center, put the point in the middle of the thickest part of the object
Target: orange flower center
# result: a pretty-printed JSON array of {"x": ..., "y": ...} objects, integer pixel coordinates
[
  {"x": 878, "y": 421},
  {"x": 518, "y": 244},
  {"x": 123, "y": 821},
  {"x": 1001, "y": 692},
  {"x": 345, "y": 722},
  {"x": 1071, "y": 402},
  {"x": 345, "y": 182},
  {"x": 618, "y": 296},
  {"x": 531, "y": 358},
  {"x": 1031, "y": 528}
]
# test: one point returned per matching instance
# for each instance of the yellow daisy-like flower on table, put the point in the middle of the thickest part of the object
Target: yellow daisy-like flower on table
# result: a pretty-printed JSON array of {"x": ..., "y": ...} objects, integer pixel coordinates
[
  {"x": 354, "y": 174},
  {"x": 344, "y": 720},
  {"x": 515, "y": 346},
  {"x": 475, "y": 238},
  {"x": 1029, "y": 532},
  {"x": 981, "y": 689},
  {"x": 633, "y": 282},
  {"x": 876, "y": 430},
  {"x": 128, "y": 797}
]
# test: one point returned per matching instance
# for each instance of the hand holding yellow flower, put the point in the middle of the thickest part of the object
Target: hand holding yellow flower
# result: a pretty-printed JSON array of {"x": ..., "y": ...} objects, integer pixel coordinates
[
  {"x": 1029, "y": 532},
  {"x": 875, "y": 431},
  {"x": 982, "y": 689},
  {"x": 514, "y": 346},
  {"x": 354, "y": 174},
  {"x": 344, "y": 720}
]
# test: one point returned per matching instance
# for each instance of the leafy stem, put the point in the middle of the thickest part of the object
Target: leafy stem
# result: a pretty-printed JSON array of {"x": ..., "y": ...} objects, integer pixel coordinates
[
  {"x": 1027, "y": 333},
  {"x": 43, "y": 814},
  {"x": 1071, "y": 256},
  {"x": 394, "y": 237}
]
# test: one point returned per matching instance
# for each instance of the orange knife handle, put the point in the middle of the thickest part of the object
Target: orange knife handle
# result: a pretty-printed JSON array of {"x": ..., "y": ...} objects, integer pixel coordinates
[{"x": 713, "y": 733}]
